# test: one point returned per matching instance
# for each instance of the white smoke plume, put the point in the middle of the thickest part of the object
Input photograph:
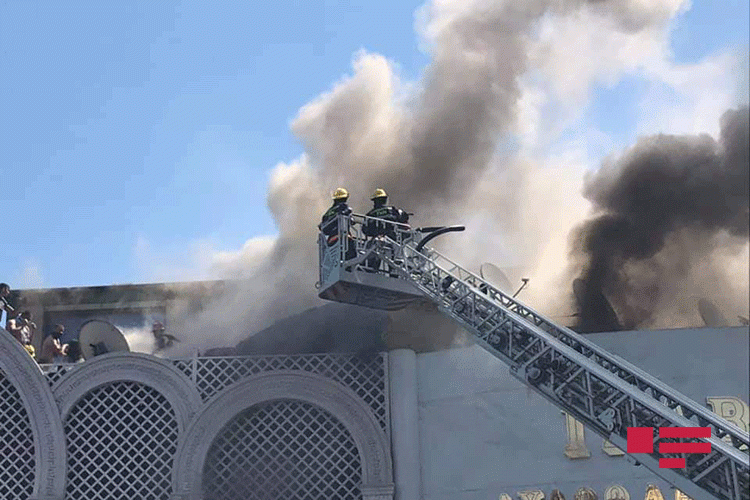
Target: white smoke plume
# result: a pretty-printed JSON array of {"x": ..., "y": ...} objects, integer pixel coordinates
[
  {"x": 466, "y": 144},
  {"x": 138, "y": 339}
]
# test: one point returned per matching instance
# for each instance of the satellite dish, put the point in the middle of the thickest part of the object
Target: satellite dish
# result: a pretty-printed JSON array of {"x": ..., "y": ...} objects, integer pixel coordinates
[
  {"x": 495, "y": 277},
  {"x": 711, "y": 314},
  {"x": 98, "y": 337}
]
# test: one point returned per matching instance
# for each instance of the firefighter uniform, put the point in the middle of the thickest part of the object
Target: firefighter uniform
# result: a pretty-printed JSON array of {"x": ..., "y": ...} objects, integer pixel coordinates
[
  {"x": 377, "y": 228},
  {"x": 329, "y": 223}
]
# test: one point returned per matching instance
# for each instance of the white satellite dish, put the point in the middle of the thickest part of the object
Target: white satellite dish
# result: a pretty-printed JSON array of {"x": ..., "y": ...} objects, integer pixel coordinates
[
  {"x": 495, "y": 277},
  {"x": 100, "y": 337},
  {"x": 710, "y": 314}
]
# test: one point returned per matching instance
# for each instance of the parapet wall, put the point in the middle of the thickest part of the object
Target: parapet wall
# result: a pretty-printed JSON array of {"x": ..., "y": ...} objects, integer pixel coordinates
[
  {"x": 444, "y": 425},
  {"x": 127, "y": 425}
]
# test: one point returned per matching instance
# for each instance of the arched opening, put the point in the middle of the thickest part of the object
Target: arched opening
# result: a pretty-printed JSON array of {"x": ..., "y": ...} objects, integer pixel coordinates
[
  {"x": 283, "y": 449},
  {"x": 311, "y": 403},
  {"x": 121, "y": 440},
  {"x": 31, "y": 435},
  {"x": 17, "y": 460}
]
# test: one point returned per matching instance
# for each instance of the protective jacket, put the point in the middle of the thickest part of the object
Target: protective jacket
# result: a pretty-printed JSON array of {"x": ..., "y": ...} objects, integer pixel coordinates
[
  {"x": 332, "y": 229},
  {"x": 377, "y": 228}
]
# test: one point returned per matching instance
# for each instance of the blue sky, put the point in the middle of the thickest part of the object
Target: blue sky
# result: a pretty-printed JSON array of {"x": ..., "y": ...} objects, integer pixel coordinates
[{"x": 124, "y": 122}]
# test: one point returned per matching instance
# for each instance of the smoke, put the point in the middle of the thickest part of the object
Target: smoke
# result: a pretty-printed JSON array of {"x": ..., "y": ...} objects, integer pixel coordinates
[
  {"x": 139, "y": 339},
  {"x": 450, "y": 148},
  {"x": 673, "y": 210}
]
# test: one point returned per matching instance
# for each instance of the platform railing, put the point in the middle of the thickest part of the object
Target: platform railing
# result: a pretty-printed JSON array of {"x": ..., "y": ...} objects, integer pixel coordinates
[{"x": 351, "y": 246}]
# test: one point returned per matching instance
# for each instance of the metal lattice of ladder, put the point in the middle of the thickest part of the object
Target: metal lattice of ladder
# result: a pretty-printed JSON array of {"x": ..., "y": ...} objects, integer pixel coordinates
[
  {"x": 121, "y": 440},
  {"x": 601, "y": 390},
  {"x": 283, "y": 449},
  {"x": 365, "y": 375},
  {"x": 17, "y": 461}
]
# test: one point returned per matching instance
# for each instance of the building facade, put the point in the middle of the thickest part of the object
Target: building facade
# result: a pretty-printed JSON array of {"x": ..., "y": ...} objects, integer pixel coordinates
[
  {"x": 446, "y": 424},
  {"x": 130, "y": 425}
]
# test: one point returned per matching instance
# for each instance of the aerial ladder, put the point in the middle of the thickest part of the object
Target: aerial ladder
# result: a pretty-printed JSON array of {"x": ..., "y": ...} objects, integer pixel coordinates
[{"x": 601, "y": 390}]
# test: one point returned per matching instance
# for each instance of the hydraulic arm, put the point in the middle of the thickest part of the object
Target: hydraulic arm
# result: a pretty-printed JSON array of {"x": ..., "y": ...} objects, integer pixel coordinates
[{"x": 603, "y": 391}]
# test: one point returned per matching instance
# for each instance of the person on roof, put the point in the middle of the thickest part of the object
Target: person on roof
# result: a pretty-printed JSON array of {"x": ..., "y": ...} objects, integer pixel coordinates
[
  {"x": 52, "y": 347},
  {"x": 329, "y": 223},
  {"x": 162, "y": 339},
  {"x": 22, "y": 328},
  {"x": 75, "y": 355},
  {"x": 4, "y": 304}
]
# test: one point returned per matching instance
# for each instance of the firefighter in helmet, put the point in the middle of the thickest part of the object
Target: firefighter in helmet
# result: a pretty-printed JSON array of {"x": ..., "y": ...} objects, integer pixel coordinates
[
  {"x": 381, "y": 210},
  {"x": 329, "y": 224},
  {"x": 377, "y": 229},
  {"x": 162, "y": 339}
]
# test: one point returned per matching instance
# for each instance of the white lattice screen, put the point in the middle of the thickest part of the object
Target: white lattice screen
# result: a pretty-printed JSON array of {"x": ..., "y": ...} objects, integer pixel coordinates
[
  {"x": 366, "y": 374},
  {"x": 17, "y": 462},
  {"x": 283, "y": 450},
  {"x": 121, "y": 441},
  {"x": 121, "y": 437},
  {"x": 57, "y": 371}
]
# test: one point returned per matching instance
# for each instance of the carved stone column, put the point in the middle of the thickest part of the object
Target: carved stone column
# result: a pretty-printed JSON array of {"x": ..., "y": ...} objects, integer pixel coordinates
[{"x": 402, "y": 375}]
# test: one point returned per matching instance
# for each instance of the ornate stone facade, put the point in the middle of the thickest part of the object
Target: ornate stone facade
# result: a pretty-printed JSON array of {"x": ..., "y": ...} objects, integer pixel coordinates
[
  {"x": 148, "y": 424},
  {"x": 17, "y": 367},
  {"x": 456, "y": 424}
]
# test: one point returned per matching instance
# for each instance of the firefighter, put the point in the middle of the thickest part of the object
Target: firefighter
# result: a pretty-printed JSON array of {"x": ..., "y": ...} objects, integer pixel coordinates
[
  {"x": 382, "y": 211},
  {"x": 329, "y": 225},
  {"x": 162, "y": 339},
  {"x": 377, "y": 229}
]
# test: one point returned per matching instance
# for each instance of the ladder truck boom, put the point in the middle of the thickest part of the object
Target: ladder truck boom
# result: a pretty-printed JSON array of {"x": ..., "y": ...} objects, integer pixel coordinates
[{"x": 601, "y": 390}]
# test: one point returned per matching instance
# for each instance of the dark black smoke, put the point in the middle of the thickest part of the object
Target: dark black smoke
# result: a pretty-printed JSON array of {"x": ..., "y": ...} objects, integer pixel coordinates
[
  {"x": 346, "y": 328},
  {"x": 663, "y": 186},
  {"x": 330, "y": 328}
]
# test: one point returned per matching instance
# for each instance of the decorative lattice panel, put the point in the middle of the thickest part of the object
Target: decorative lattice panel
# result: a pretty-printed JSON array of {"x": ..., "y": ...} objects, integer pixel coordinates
[
  {"x": 17, "y": 462},
  {"x": 365, "y": 375},
  {"x": 121, "y": 440},
  {"x": 287, "y": 450},
  {"x": 56, "y": 372}
]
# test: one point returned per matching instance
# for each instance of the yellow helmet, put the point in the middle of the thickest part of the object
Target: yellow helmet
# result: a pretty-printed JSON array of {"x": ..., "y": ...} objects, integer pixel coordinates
[
  {"x": 340, "y": 194},
  {"x": 379, "y": 193}
]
